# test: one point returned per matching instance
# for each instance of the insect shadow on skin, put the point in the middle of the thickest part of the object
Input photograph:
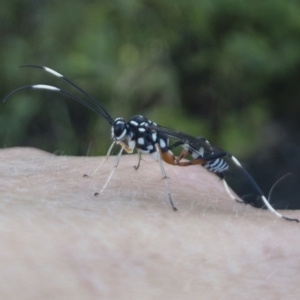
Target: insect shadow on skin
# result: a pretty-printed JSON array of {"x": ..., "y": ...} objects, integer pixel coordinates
[{"x": 149, "y": 138}]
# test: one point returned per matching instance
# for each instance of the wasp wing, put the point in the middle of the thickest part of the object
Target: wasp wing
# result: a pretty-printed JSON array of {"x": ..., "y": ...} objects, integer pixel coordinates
[{"x": 197, "y": 144}]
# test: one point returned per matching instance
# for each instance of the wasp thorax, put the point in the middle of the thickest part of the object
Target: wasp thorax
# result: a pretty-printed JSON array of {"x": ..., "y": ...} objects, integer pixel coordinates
[{"x": 118, "y": 129}]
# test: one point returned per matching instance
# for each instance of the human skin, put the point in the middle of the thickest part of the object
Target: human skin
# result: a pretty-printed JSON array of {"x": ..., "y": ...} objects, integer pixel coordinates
[{"x": 60, "y": 241}]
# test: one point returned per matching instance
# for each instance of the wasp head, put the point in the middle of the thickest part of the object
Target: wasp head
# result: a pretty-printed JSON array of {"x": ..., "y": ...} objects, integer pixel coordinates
[{"x": 118, "y": 129}]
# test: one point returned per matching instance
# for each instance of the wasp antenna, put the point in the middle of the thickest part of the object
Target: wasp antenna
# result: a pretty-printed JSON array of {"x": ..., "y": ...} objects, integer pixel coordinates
[
  {"x": 104, "y": 113},
  {"x": 259, "y": 191},
  {"x": 54, "y": 89},
  {"x": 43, "y": 68},
  {"x": 28, "y": 87}
]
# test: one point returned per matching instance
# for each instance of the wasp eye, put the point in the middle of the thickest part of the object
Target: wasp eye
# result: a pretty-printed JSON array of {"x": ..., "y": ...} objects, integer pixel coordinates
[{"x": 119, "y": 129}]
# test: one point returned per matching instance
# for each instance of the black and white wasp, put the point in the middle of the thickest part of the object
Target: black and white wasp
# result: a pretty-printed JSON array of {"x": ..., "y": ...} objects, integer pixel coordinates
[
  {"x": 129, "y": 135},
  {"x": 149, "y": 138},
  {"x": 211, "y": 158}
]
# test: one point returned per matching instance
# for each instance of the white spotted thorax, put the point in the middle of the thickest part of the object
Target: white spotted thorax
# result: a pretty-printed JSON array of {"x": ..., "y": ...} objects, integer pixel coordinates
[{"x": 137, "y": 133}]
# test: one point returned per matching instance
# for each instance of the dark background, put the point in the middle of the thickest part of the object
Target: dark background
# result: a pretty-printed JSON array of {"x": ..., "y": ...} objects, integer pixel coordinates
[{"x": 227, "y": 70}]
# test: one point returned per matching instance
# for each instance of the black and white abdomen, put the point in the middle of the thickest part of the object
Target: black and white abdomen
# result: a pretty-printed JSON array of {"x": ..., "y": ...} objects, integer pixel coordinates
[{"x": 218, "y": 165}]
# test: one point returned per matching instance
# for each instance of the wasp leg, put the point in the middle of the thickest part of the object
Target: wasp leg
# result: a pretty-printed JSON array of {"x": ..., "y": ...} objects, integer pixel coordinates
[
  {"x": 259, "y": 191},
  {"x": 105, "y": 159},
  {"x": 129, "y": 151},
  {"x": 183, "y": 154},
  {"x": 113, "y": 170},
  {"x": 198, "y": 161},
  {"x": 139, "y": 161},
  {"x": 159, "y": 158},
  {"x": 169, "y": 158},
  {"x": 229, "y": 192},
  {"x": 123, "y": 147},
  {"x": 201, "y": 161},
  {"x": 126, "y": 148}
]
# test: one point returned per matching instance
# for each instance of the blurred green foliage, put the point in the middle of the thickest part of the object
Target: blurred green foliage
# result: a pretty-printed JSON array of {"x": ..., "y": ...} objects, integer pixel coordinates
[{"x": 228, "y": 70}]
